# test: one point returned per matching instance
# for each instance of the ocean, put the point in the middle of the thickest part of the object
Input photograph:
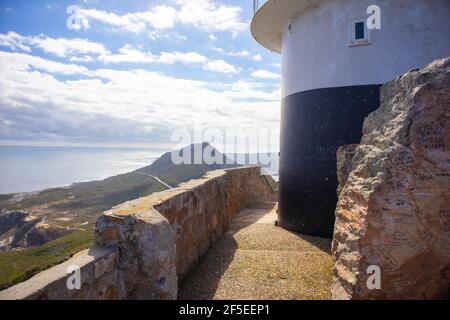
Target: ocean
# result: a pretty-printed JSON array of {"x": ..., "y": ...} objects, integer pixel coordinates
[{"x": 24, "y": 169}]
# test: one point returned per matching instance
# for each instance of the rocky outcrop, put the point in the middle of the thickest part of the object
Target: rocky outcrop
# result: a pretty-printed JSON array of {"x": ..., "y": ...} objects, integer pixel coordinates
[
  {"x": 22, "y": 230},
  {"x": 394, "y": 196}
]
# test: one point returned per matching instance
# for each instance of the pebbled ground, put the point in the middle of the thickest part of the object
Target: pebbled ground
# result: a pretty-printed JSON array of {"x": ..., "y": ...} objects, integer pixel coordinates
[{"x": 257, "y": 260}]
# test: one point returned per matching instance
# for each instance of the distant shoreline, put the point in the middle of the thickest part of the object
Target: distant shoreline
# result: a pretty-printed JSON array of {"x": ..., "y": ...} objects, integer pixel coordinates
[{"x": 35, "y": 169}]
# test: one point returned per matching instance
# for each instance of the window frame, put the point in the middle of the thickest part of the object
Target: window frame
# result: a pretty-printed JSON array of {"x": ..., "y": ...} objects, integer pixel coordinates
[{"x": 352, "y": 41}]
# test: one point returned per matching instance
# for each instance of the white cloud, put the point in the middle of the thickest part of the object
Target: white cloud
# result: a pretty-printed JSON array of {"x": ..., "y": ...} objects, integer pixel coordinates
[
  {"x": 24, "y": 62},
  {"x": 252, "y": 90},
  {"x": 158, "y": 17},
  {"x": 13, "y": 41},
  {"x": 132, "y": 55},
  {"x": 207, "y": 15},
  {"x": 128, "y": 54},
  {"x": 264, "y": 74},
  {"x": 61, "y": 47},
  {"x": 243, "y": 53},
  {"x": 202, "y": 14},
  {"x": 257, "y": 57},
  {"x": 82, "y": 50},
  {"x": 173, "y": 36},
  {"x": 81, "y": 59},
  {"x": 186, "y": 58},
  {"x": 218, "y": 49},
  {"x": 116, "y": 106},
  {"x": 220, "y": 66}
]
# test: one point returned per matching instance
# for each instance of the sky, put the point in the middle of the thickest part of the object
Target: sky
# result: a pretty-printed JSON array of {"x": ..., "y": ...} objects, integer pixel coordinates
[{"x": 130, "y": 73}]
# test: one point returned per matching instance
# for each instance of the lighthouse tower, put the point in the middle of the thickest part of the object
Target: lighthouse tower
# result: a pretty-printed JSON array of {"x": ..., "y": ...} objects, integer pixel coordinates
[{"x": 333, "y": 64}]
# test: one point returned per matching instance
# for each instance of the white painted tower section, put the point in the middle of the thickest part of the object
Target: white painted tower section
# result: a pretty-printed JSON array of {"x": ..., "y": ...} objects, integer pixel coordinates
[
  {"x": 317, "y": 50},
  {"x": 332, "y": 70}
]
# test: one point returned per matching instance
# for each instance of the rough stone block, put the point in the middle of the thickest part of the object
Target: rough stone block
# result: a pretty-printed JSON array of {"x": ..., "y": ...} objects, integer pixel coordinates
[{"x": 394, "y": 195}]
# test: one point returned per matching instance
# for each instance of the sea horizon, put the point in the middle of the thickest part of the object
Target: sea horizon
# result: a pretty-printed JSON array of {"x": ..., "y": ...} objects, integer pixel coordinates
[{"x": 37, "y": 168}]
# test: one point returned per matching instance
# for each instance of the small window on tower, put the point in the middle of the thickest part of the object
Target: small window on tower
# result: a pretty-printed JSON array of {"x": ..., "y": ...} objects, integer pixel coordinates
[
  {"x": 359, "y": 31},
  {"x": 359, "y": 34}
]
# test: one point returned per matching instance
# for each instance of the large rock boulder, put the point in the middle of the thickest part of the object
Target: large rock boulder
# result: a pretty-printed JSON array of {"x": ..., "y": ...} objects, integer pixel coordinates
[{"x": 394, "y": 196}]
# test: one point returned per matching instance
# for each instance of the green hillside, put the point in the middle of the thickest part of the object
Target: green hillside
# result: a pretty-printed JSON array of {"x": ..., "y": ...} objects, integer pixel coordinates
[{"x": 77, "y": 207}]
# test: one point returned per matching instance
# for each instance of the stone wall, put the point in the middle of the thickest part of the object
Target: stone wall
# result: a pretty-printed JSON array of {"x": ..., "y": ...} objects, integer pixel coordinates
[
  {"x": 98, "y": 273},
  {"x": 146, "y": 253},
  {"x": 145, "y": 246},
  {"x": 198, "y": 212},
  {"x": 394, "y": 194},
  {"x": 247, "y": 187}
]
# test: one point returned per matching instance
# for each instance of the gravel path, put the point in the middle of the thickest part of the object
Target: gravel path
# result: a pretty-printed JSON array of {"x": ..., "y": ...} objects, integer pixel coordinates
[{"x": 257, "y": 260}]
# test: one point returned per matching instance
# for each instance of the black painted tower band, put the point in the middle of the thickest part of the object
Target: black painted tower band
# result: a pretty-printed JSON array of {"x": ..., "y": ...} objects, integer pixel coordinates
[{"x": 314, "y": 124}]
